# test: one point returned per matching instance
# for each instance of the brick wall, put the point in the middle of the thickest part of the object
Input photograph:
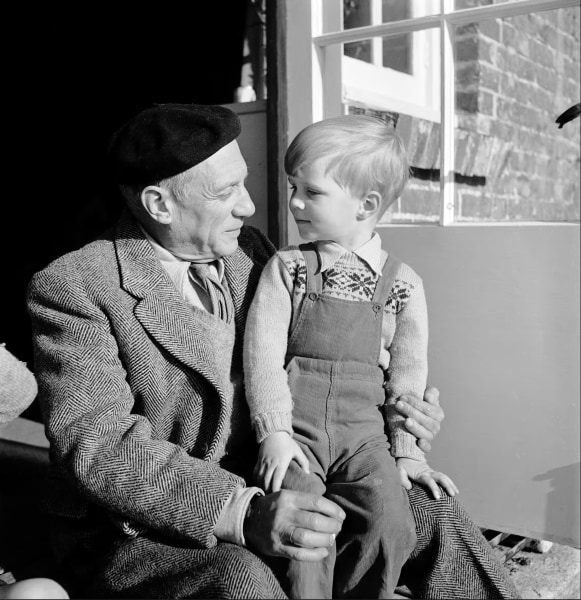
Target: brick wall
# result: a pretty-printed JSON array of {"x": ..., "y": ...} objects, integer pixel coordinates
[{"x": 513, "y": 78}]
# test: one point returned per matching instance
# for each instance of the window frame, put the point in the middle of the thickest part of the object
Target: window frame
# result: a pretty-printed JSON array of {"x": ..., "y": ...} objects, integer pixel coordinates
[
  {"x": 320, "y": 41},
  {"x": 423, "y": 84}
]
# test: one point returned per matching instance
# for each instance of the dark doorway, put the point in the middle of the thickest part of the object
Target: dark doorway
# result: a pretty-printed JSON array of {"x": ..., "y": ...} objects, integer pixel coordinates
[{"x": 73, "y": 78}]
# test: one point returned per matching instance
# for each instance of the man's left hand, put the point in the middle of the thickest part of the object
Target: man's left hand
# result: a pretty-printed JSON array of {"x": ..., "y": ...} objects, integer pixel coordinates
[{"x": 423, "y": 416}]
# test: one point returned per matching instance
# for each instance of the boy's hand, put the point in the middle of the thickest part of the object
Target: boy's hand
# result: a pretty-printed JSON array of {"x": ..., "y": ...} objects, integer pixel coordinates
[
  {"x": 274, "y": 456},
  {"x": 420, "y": 472}
]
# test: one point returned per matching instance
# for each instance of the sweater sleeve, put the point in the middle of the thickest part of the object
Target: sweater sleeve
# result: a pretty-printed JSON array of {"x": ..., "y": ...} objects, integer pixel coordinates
[
  {"x": 265, "y": 344},
  {"x": 408, "y": 368}
]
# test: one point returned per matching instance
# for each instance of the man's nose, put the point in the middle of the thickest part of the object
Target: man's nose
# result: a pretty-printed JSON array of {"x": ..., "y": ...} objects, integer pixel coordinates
[{"x": 244, "y": 207}]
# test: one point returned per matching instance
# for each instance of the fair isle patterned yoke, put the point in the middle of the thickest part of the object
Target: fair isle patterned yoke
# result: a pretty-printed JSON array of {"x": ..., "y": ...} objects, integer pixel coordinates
[{"x": 348, "y": 280}]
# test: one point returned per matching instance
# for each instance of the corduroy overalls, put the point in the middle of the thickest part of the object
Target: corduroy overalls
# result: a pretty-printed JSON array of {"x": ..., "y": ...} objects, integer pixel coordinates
[{"x": 337, "y": 388}]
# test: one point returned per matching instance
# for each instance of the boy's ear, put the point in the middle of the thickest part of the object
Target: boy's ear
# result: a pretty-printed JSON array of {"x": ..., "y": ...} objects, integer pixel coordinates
[{"x": 370, "y": 205}]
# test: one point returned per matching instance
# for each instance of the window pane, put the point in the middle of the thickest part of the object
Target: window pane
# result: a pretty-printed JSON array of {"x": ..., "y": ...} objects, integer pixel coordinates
[
  {"x": 357, "y": 13},
  {"x": 395, "y": 10},
  {"x": 397, "y": 50},
  {"x": 398, "y": 10},
  {"x": 415, "y": 91},
  {"x": 514, "y": 77}
]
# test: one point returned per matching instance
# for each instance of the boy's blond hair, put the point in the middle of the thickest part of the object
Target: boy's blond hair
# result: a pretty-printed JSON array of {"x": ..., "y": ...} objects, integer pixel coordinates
[{"x": 365, "y": 154}]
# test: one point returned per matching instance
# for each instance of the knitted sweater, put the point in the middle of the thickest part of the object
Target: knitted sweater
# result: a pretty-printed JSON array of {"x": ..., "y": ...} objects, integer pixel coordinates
[{"x": 346, "y": 275}]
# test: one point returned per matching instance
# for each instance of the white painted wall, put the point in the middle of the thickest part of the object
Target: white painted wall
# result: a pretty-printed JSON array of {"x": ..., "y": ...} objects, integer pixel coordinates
[{"x": 503, "y": 304}]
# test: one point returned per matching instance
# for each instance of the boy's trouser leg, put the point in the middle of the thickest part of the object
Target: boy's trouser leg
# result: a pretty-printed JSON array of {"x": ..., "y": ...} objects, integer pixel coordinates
[
  {"x": 452, "y": 558},
  {"x": 302, "y": 579},
  {"x": 378, "y": 534}
]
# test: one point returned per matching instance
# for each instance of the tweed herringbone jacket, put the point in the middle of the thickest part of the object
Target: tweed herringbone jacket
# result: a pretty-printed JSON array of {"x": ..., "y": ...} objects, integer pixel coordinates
[{"x": 133, "y": 404}]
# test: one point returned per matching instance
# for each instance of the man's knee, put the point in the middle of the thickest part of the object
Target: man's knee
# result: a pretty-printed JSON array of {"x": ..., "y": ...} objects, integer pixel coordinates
[
  {"x": 240, "y": 573},
  {"x": 425, "y": 508},
  {"x": 224, "y": 571},
  {"x": 439, "y": 520}
]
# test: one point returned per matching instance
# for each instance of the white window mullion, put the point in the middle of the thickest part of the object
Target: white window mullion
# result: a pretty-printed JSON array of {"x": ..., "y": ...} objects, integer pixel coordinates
[{"x": 448, "y": 109}]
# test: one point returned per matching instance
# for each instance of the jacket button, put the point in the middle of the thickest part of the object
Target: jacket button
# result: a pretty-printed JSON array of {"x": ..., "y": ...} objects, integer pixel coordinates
[
  {"x": 376, "y": 307},
  {"x": 312, "y": 296}
]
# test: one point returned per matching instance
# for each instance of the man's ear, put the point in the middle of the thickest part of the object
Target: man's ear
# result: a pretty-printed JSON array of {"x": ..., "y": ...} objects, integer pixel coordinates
[
  {"x": 369, "y": 205},
  {"x": 157, "y": 203}
]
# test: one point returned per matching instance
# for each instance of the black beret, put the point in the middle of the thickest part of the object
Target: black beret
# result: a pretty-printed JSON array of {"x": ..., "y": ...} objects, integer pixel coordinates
[{"x": 167, "y": 139}]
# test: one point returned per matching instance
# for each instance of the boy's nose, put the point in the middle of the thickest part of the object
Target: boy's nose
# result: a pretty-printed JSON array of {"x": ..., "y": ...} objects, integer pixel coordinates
[{"x": 297, "y": 204}]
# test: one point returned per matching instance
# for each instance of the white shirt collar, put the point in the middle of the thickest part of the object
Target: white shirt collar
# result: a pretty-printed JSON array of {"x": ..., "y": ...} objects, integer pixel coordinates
[
  {"x": 177, "y": 266},
  {"x": 370, "y": 253}
]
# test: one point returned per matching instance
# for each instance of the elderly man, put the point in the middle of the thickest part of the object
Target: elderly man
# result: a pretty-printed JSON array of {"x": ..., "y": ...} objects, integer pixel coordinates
[{"x": 137, "y": 342}]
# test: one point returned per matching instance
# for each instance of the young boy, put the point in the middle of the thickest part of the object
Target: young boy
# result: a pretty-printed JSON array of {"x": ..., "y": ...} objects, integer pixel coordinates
[{"x": 337, "y": 331}]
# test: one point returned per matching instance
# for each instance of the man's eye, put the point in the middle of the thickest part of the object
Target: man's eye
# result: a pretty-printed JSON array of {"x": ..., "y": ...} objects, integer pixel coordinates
[{"x": 226, "y": 193}]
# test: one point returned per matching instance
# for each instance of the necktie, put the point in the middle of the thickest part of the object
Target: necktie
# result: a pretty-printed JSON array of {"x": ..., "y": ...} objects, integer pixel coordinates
[{"x": 217, "y": 294}]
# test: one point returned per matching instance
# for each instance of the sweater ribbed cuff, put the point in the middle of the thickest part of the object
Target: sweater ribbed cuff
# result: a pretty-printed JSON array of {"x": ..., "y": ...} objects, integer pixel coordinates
[
  {"x": 267, "y": 423},
  {"x": 404, "y": 445}
]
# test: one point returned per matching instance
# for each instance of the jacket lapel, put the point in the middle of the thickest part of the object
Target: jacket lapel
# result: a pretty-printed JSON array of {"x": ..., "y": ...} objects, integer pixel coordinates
[{"x": 159, "y": 306}]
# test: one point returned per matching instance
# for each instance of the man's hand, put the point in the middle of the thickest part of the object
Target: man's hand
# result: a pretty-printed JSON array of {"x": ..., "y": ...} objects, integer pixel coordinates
[
  {"x": 423, "y": 416},
  {"x": 292, "y": 524},
  {"x": 274, "y": 456},
  {"x": 421, "y": 472}
]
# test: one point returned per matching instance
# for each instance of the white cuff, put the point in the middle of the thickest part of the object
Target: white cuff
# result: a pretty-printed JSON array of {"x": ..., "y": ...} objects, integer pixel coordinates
[{"x": 229, "y": 527}]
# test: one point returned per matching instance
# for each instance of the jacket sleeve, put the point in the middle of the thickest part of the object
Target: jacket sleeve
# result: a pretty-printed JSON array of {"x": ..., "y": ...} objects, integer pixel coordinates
[{"x": 99, "y": 444}]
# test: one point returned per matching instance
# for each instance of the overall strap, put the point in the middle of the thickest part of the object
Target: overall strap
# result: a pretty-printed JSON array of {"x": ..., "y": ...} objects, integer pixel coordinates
[
  {"x": 314, "y": 281},
  {"x": 386, "y": 281}
]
